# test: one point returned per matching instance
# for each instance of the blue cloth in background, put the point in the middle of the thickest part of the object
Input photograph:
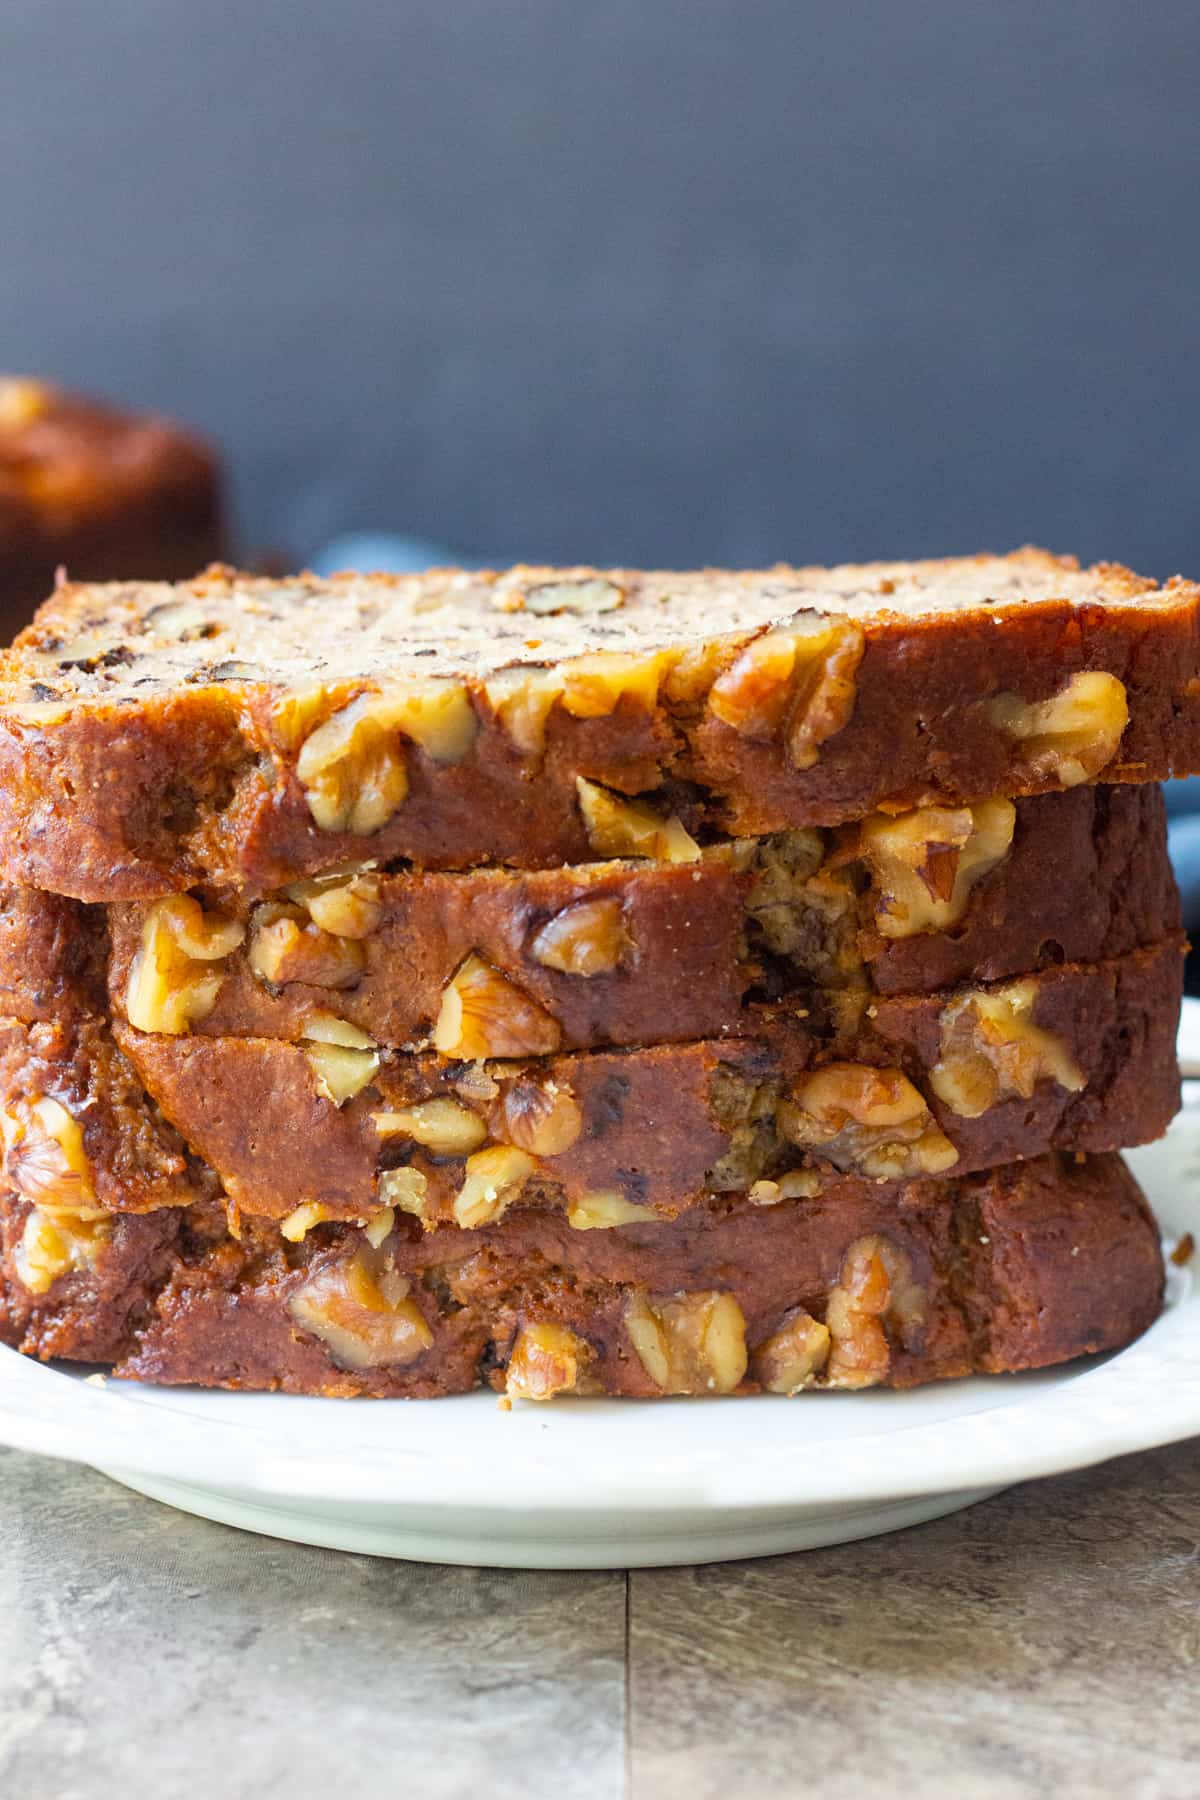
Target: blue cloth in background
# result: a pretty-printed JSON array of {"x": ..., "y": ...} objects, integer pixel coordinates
[{"x": 407, "y": 555}]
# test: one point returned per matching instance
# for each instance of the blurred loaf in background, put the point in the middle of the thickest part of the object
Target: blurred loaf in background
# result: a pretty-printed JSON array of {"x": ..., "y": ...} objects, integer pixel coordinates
[{"x": 99, "y": 491}]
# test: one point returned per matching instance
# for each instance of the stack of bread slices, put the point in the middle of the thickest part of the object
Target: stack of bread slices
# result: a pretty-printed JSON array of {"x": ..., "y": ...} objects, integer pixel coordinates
[{"x": 591, "y": 982}]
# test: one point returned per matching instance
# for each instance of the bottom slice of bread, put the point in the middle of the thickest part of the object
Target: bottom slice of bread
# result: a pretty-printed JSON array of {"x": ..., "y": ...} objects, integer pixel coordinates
[{"x": 874, "y": 1284}]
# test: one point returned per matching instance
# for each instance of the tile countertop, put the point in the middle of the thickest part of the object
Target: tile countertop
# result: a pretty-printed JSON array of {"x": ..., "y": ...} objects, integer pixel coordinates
[{"x": 1046, "y": 1642}]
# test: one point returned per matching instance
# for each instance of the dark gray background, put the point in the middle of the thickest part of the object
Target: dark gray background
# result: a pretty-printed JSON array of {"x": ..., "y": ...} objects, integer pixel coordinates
[{"x": 656, "y": 280}]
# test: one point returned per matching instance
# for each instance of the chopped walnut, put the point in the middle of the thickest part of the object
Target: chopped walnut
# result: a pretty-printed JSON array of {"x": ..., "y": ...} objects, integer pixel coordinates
[
  {"x": 586, "y": 938},
  {"x": 794, "y": 1355},
  {"x": 342, "y": 1058},
  {"x": 444, "y": 1126},
  {"x": 57, "y": 1240},
  {"x": 1070, "y": 737},
  {"x": 542, "y": 1117},
  {"x": 437, "y": 715},
  {"x": 875, "y": 1287},
  {"x": 796, "y": 685},
  {"x": 605, "y": 1208},
  {"x": 349, "y": 906},
  {"x": 793, "y": 1184},
  {"x": 546, "y": 1360},
  {"x": 619, "y": 827},
  {"x": 494, "y": 1179},
  {"x": 362, "y": 1312},
  {"x": 296, "y": 1227},
  {"x": 873, "y": 1120},
  {"x": 45, "y": 1162},
  {"x": 352, "y": 768},
  {"x": 594, "y": 685},
  {"x": 404, "y": 1190},
  {"x": 44, "y": 1157},
  {"x": 286, "y": 946},
  {"x": 591, "y": 595},
  {"x": 483, "y": 1013},
  {"x": 177, "y": 972},
  {"x": 689, "y": 1343},
  {"x": 926, "y": 862},
  {"x": 991, "y": 1050},
  {"x": 522, "y": 700}
]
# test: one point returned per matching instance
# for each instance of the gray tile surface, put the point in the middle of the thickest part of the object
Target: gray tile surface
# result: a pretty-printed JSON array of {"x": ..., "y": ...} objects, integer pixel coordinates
[{"x": 1046, "y": 1643}]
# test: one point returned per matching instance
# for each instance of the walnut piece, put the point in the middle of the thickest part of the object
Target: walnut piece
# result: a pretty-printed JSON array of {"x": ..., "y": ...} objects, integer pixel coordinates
[
  {"x": 797, "y": 686},
  {"x": 926, "y": 862},
  {"x": 872, "y": 1120},
  {"x": 542, "y": 1117},
  {"x": 494, "y": 1179},
  {"x": 404, "y": 1190},
  {"x": 178, "y": 969},
  {"x": 546, "y": 1360},
  {"x": 352, "y": 769},
  {"x": 45, "y": 1162},
  {"x": 286, "y": 946},
  {"x": 361, "y": 1311},
  {"x": 522, "y": 700},
  {"x": 605, "y": 1208},
  {"x": 991, "y": 1050},
  {"x": 296, "y": 1227},
  {"x": 692, "y": 1343},
  {"x": 619, "y": 827},
  {"x": 793, "y": 1184},
  {"x": 44, "y": 1157},
  {"x": 483, "y": 1013},
  {"x": 794, "y": 1355},
  {"x": 586, "y": 597},
  {"x": 875, "y": 1287},
  {"x": 586, "y": 938},
  {"x": 1070, "y": 737},
  {"x": 594, "y": 685},
  {"x": 444, "y": 1126},
  {"x": 437, "y": 715},
  {"x": 342, "y": 1058},
  {"x": 349, "y": 906}
]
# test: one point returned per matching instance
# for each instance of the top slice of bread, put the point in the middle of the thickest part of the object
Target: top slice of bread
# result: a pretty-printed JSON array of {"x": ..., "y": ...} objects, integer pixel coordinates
[{"x": 247, "y": 731}]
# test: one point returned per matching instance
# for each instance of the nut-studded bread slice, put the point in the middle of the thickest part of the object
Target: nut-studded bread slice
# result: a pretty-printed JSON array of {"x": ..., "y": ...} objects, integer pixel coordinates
[
  {"x": 505, "y": 962},
  {"x": 1078, "y": 1058},
  {"x": 521, "y": 963},
  {"x": 1026, "y": 1266},
  {"x": 252, "y": 733}
]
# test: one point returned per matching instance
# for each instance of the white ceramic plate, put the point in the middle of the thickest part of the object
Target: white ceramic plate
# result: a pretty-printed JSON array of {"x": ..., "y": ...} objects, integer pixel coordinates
[{"x": 607, "y": 1484}]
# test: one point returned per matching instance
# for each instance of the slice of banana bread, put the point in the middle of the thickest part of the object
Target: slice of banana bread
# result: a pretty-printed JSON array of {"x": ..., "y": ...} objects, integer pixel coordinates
[
  {"x": 1077, "y": 1058},
  {"x": 253, "y": 733},
  {"x": 1023, "y": 1267},
  {"x": 508, "y": 963}
]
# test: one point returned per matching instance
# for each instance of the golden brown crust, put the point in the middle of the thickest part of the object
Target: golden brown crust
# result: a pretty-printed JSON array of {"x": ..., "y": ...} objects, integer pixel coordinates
[
  {"x": 99, "y": 491},
  {"x": 1020, "y": 1268},
  {"x": 183, "y": 753},
  {"x": 1077, "y": 1058}
]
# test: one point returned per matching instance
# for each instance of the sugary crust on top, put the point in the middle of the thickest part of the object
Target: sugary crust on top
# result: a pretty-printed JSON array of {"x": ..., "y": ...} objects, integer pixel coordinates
[
  {"x": 329, "y": 723},
  {"x": 102, "y": 643}
]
